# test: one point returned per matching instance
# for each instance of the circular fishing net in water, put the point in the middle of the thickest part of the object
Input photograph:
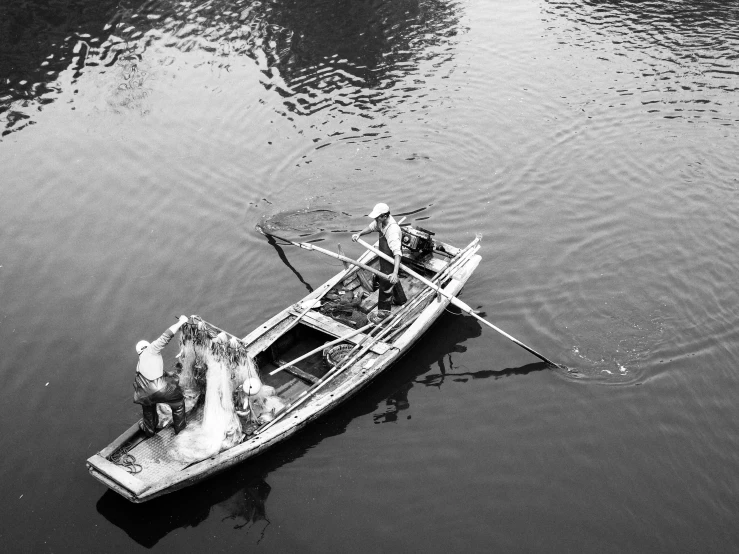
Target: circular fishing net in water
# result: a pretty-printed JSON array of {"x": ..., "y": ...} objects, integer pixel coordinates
[{"x": 307, "y": 220}]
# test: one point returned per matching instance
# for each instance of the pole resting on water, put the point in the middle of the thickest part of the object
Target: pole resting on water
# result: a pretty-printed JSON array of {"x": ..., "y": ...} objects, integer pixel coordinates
[
  {"x": 457, "y": 302},
  {"x": 307, "y": 246}
]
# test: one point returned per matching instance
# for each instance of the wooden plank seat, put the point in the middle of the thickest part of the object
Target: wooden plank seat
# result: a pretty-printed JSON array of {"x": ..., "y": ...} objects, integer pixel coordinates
[{"x": 319, "y": 321}]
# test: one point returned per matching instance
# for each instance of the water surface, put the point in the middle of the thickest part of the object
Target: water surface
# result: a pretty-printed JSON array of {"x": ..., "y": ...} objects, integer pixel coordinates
[{"x": 593, "y": 144}]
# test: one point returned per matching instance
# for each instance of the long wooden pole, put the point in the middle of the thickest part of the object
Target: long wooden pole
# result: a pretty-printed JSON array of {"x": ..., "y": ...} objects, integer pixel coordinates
[
  {"x": 306, "y": 246},
  {"x": 457, "y": 302}
]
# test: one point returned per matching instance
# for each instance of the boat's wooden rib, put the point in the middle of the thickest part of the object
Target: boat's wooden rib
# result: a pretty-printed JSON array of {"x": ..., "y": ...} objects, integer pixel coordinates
[
  {"x": 299, "y": 373},
  {"x": 310, "y": 395}
]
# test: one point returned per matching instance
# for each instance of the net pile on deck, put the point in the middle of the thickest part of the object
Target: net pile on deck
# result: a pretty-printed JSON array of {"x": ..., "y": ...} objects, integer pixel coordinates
[
  {"x": 214, "y": 364},
  {"x": 345, "y": 308}
]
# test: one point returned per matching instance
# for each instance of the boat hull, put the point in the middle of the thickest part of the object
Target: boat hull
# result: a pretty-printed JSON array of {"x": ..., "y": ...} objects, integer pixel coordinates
[{"x": 341, "y": 388}]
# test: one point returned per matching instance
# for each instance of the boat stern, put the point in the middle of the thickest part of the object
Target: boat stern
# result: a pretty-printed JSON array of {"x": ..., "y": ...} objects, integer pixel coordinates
[{"x": 116, "y": 478}]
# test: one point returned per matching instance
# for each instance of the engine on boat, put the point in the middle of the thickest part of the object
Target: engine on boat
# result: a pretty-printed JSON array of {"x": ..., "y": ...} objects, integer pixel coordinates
[{"x": 417, "y": 239}]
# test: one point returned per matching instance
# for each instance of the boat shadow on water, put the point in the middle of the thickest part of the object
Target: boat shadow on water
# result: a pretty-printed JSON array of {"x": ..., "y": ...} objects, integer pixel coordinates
[{"x": 240, "y": 494}]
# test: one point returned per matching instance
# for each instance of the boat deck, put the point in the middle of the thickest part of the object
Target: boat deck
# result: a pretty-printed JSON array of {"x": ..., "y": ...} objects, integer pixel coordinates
[{"x": 154, "y": 455}]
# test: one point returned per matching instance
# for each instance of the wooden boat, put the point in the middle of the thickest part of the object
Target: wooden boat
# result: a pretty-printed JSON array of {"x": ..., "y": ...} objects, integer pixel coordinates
[{"x": 141, "y": 468}]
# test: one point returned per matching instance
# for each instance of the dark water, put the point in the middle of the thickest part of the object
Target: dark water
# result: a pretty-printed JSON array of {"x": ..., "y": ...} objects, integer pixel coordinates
[{"x": 594, "y": 144}]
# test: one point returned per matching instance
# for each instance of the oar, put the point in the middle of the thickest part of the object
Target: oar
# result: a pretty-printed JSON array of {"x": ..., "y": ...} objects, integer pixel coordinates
[
  {"x": 322, "y": 347},
  {"x": 307, "y": 246},
  {"x": 457, "y": 302}
]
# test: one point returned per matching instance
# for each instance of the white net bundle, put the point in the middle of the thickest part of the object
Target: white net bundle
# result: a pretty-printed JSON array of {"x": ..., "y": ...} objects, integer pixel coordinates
[
  {"x": 188, "y": 359},
  {"x": 211, "y": 365},
  {"x": 192, "y": 377}
]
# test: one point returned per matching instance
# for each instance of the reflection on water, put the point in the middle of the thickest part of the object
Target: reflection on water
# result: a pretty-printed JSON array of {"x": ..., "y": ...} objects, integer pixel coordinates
[
  {"x": 249, "y": 508},
  {"x": 291, "y": 267},
  {"x": 39, "y": 40},
  {"x": 438, "y": 379},
  {"x": 148, "y": 523},
  {"x": 682, "y": 56},
  {"x": 460, "y": 328},
  {"x": 346, "y": 58}
]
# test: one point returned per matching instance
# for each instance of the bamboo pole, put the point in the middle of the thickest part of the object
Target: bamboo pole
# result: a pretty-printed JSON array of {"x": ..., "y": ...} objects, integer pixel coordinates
[
  {"x": 457, "y": 302},
  {"x": 307, "y": 246}
]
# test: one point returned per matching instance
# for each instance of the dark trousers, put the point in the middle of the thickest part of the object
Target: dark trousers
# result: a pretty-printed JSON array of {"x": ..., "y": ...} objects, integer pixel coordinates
[
  {"x": 396, "y": 295},
  {"x": 386, "y": 299},
  {"x": 171, "y": 395}
]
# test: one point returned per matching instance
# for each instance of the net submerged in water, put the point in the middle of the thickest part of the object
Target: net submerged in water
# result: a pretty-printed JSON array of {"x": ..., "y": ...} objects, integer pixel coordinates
[
  {"x": 306, "y": 220},
  {"x": 214, "y": 365}
]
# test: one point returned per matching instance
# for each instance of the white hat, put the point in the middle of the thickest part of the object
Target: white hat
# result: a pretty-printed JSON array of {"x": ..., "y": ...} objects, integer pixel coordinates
[
  {"x": 141, "y": 345},
  {"x": 379, "y": 209}
]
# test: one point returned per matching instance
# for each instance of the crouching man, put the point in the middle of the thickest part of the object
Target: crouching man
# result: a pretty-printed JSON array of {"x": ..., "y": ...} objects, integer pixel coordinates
[{"x": 151, "y": 387}]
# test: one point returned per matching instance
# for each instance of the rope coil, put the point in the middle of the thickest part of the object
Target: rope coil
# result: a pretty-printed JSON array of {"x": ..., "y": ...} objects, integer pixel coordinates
[{"x": 122, "y": 457}]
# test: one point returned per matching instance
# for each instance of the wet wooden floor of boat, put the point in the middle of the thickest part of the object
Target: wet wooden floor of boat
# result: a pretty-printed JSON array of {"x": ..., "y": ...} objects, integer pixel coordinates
[{"x": 154, "y": 455}]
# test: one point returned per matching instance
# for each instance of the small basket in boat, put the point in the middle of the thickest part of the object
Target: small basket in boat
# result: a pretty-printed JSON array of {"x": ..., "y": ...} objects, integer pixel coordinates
[{"x": 336, "y": 354}]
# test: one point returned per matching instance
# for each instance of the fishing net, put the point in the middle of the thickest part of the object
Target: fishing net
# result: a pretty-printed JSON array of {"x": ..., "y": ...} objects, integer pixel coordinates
[
  {"x": 308, "y": 220},
  {"x": 345, "y": 308},
  {"x": 214, "y": 366},
  {"x": 192, "y": 375}
]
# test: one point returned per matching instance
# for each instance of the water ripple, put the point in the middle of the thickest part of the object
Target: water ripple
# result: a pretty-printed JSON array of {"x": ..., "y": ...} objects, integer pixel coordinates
[
  {"x": 677, "y": 60},
  {"x": 344, "y": 60}
]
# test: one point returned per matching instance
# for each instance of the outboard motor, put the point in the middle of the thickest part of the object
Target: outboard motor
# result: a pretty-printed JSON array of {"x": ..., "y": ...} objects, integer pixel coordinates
[{"x": 417, "y": 239}]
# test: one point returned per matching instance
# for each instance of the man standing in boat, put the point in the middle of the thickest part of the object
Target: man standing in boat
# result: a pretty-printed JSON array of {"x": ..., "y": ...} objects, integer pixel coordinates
[
  {"x": 151, "y": 387},
  {"x": 390, "y": 244}
]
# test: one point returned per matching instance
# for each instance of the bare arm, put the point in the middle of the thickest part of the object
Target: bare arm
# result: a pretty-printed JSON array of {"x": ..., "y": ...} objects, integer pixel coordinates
[
  {"x": 396, "y": 265},
  {"x": 364, "y": 231},
  {"x": 176, "y": 327}
]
